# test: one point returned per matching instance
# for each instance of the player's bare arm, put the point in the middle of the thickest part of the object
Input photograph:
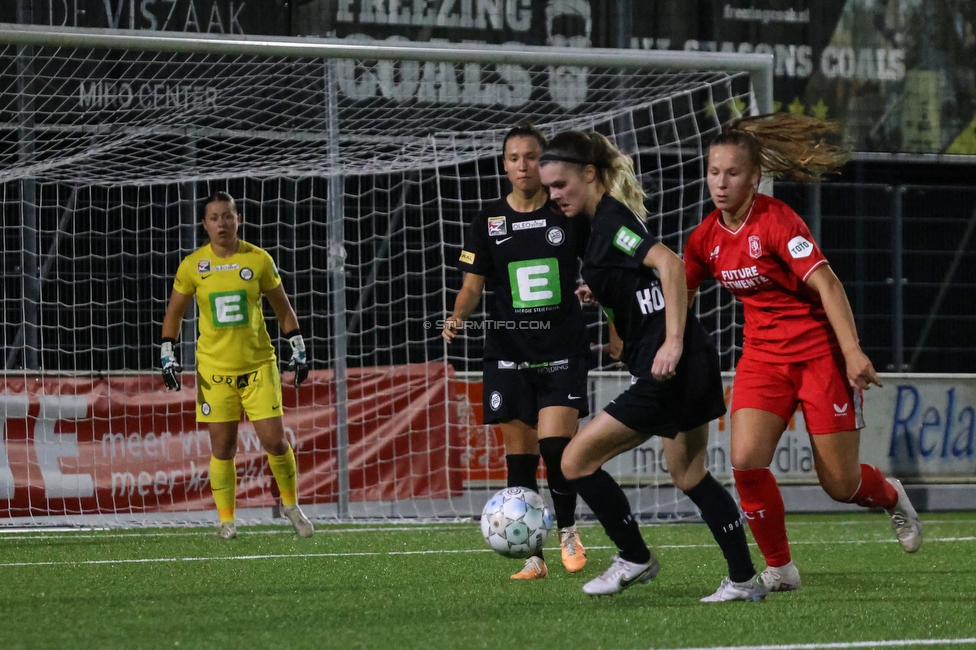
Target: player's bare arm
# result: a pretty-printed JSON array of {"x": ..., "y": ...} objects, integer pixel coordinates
[
  {"x": 178, "y": 304},
  {"x": 278, "y": 299},
  {"x": 860, "y": 370},
  {"x": 674, "y": 286},
  {"x": 467, "y": 299}
]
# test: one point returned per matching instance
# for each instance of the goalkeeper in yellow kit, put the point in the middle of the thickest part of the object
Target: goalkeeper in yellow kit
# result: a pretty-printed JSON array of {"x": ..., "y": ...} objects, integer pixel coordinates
[{"x": 237, "y": 369}]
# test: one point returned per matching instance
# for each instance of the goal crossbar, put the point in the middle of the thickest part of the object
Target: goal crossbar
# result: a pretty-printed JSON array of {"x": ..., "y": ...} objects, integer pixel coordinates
[{"x": 759, "y": 66}]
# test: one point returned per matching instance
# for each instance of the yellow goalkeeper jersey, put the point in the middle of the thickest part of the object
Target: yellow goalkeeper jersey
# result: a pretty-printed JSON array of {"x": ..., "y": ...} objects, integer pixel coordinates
[{"x": 233, "y": 337}]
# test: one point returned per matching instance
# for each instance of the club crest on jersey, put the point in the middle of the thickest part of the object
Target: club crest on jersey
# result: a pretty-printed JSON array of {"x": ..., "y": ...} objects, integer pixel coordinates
[
  {"x": 496, "y": 226},
  {"x": 246, "y": 274},
  {"x": 755, "y": 247},
  {"x": 555, "y": 236},
  {"x": 203, "y": 266}
]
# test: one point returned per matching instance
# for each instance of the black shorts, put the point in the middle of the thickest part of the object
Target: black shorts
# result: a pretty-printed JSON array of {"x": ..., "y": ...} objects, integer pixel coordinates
[
  {"x": 515, "y": 391},
  {"x": 693, "y": 397}
]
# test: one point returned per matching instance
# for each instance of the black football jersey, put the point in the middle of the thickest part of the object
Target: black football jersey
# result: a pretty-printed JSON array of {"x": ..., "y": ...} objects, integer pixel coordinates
[
  {"x": 629, "y": 292},
  {"x": 530, "y": 264}
]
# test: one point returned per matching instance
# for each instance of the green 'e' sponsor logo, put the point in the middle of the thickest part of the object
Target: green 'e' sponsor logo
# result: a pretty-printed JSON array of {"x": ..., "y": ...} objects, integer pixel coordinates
[
  {"x": 627, "y": 240},
  {"x": 229, "y": 308},
  {"x": 535, "y": 283}
]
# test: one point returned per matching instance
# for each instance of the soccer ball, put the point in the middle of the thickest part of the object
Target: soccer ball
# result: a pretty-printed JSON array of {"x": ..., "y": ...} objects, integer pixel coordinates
[{"x": 516, "y": 522}]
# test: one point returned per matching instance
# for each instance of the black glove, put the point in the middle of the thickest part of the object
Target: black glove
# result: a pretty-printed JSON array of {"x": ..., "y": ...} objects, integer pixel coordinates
[
  {"x": 171, "y": 369},
  {"x": 299, "y": 362}
]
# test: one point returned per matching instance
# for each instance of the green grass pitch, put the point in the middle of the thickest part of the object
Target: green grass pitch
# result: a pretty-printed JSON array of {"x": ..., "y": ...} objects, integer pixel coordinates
[{"x": 435, "y": 586}]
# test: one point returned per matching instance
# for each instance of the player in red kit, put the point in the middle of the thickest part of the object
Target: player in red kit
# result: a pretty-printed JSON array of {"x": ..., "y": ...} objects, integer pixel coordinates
[{"x": 800, "y": 343}]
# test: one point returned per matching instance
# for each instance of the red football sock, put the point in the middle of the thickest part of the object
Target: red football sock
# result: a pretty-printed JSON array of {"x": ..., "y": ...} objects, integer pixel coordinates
[
  {"x": 762, "y": 504},
  {"x": 874, "y": 491}
]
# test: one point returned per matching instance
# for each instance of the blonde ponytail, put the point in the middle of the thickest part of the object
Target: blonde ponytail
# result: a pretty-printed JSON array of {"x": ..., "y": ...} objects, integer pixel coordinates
[{"x": 785, "y": 145}]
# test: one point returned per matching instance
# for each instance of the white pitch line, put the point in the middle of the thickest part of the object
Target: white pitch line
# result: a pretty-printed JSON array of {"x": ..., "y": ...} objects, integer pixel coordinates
[
  {"x": 59, "y": 532},
  {"x": 828, "y": 646},
  {"x": 275, "y": 556},
  {"x": 192, "y": 531},
  {"x": 284, "y": 556}
]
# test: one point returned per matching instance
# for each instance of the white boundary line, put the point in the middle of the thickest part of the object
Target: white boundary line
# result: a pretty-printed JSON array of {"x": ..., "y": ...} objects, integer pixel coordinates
[
  {"x": 852, "y": 644},
  {"x": 283, "y": 556}
]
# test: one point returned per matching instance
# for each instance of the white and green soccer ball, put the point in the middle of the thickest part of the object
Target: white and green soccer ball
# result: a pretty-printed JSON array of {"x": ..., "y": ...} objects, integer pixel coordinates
[{"x": 516, "y": 522}]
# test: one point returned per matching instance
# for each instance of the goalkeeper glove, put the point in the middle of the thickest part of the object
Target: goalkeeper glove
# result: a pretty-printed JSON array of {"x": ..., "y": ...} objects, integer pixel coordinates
[
  {"x": 171, "y": 369},
  {"x": 299, "y": 362}
]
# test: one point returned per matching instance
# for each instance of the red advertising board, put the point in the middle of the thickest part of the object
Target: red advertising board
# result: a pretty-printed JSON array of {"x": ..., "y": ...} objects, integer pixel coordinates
[{"x": 126, "y": 445}]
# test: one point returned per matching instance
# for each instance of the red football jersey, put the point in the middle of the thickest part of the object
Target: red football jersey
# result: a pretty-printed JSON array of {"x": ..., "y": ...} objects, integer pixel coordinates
[{"x": 765, "y": 264}]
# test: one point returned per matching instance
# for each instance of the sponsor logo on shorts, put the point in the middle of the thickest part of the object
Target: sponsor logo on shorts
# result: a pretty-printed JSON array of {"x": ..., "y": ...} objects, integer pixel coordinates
[
  {"x": 555, "y": 236},
  {"x": 571, "y": 396},
  {"x": 840, "y": 411},
  {"x": 246, "y": 273},
  {"x": 529, "y": 225},
  {"x": 495, "y": 401},
  {"x": 497, "y": 226}
]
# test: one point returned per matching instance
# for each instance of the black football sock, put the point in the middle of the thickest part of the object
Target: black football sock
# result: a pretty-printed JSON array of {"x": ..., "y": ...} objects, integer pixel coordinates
[
  {"x": 522, "y": 470},
  {"x": 720, "y": 512},
  {"x": 562, "y": 492},
  {"x": 609, "y": 503}
]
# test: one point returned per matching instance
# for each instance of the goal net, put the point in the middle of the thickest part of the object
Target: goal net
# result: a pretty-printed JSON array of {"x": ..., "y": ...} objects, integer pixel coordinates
[{"x": 356, "y": 166}]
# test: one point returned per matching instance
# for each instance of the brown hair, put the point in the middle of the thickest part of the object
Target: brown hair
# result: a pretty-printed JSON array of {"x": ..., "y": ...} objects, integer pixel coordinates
[
  {"x": 786, "y": 145},
  {"x": 614, "y": 169},
  {"x": 524, "y": 130},
  {"x": 221, "y": 197}
]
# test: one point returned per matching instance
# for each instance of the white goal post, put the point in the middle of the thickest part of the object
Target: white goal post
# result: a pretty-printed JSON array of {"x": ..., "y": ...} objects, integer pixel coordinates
[{"x": 356, "y": 165}]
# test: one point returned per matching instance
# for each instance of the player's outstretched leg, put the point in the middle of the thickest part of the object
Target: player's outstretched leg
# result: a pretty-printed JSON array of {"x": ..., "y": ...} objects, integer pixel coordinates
[
  {"x": 721, "y": 515},
  {"x": 635, "y": 563}
]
